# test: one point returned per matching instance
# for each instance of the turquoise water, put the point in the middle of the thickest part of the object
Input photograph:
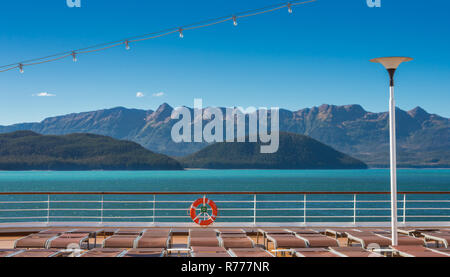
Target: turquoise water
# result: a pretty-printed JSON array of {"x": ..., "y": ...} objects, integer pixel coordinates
[
  {"x": 226, "y": 180},
  {"x": 232, "y": 208}
]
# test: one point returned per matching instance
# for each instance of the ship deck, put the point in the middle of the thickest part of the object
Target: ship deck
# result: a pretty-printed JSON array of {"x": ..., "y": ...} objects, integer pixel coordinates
[{"x": 268, "y": 241}]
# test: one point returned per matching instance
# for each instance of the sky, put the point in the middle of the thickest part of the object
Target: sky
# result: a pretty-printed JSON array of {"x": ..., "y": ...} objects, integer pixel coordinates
[{"x": 317, "y": 55}]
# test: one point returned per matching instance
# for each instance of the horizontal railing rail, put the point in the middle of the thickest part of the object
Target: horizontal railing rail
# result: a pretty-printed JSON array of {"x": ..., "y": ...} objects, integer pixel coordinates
[
  {"x": 289, "y": 207},
  {"x": 215, "y": 192}
]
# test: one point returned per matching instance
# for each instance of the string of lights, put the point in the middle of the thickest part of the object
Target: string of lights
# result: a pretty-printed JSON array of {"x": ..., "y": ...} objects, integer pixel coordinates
[{"x": 128, "y": 41}]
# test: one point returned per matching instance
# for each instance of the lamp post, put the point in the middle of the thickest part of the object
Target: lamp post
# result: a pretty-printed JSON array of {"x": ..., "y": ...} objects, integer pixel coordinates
[{"x": 391, "y": 64}]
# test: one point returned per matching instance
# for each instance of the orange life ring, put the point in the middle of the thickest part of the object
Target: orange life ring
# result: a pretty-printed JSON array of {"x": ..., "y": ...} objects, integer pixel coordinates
[{"x": 207, "y": 218}]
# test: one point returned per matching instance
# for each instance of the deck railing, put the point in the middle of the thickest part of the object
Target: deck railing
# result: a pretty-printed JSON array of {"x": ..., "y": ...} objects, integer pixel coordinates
[{"x": 243, "y": 208}]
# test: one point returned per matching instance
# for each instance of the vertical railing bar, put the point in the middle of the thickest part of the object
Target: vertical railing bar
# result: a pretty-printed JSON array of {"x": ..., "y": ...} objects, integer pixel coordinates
[
  {"x": 404, "y": 208},
  {"x": 354, "y": 208},
  {"x": 304, "y": 208},
  {"x": 48, "y": 208},
  {"x": 101, "y": 210},
  {"x": 154, "y": 203},
  {"x": 254, "y": 210}
]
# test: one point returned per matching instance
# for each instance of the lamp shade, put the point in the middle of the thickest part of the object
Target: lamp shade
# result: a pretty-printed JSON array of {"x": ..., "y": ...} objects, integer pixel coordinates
[{"x": 391, "y": 62}]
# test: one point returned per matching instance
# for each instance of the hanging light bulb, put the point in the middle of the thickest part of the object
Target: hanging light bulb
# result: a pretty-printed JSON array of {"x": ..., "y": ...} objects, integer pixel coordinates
[
  {"x": 289, "y": 5},
  {"x": 127, "y": 46},
  {"x": 181, "y": 32},
  {"x": 235, "y": 20},
  {"x": 74, "y": 56},
  {"x": 21, "y": 68}
]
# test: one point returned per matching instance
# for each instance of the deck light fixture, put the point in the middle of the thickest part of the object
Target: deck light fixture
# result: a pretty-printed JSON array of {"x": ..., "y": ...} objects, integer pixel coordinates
[
  {"x": 74, "y": 56},
  {"x": 391, "y": 64}
]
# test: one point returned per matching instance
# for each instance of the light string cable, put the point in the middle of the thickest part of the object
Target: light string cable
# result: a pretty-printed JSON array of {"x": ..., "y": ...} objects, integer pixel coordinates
[{"x": 180, "y": 29}]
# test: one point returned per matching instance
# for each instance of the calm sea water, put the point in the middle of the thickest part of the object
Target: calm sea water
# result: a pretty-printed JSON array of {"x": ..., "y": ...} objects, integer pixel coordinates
[
  {"x": 233, "y": 208},
  {"x": 225, "y": 180}
]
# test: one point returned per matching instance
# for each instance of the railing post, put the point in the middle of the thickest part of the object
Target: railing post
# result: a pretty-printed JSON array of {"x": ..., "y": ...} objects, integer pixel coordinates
[
  {"x": 304, "y": 208},
  {"x": 254, "y": 209},
  {"x": 48, "y": 208},
  {"x": 153, "y": 212},
  {"x": 404, "y": 208},
  {"x": 354, "y": 208},
  {"x": 101, "y": 211}
]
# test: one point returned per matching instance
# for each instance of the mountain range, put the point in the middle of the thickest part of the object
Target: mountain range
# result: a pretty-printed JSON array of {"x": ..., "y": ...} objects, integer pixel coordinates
[{"x": 423, "y": 139}]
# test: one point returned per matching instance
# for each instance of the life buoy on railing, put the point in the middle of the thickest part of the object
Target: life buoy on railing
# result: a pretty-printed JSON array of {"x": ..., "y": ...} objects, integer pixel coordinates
[{"x": 203, "y": 218}]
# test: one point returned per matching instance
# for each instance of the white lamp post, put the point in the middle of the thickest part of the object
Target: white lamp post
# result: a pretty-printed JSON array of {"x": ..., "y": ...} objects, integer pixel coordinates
[{"x": 391, "y": 64}]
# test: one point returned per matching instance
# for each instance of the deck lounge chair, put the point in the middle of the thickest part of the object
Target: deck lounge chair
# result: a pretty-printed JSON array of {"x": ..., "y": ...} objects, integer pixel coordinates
[
  {"x": 93, "y": 233},
  {"x": 314, "y": 238},
  {"x": 145, "y": 253},
  {"x": 285, "y": 241},
  {"x": 337, "y": 232},
  {"x": 439, "y": 237},
  {"x": 235, "y": 238},
  {"x": 34, "y": 240},
  {"x": 101, "y": 252},
  {"x": 255, "y": 252},
  {"x": 403, "y": 239},
  {"x": 273, "y": 233},
  {"x": 314, "y": 253},
  {"x": 203, "y": 251},
  {"x": 365, "y": 238},
  {"x": 37, "y": 253},
  {"x": 120, "y": 241},
  {"x": 69, "y": 239},
  {"x": 154, "y": 238},
  {"x": 418, "y": 251},
  {"x": 206, "y": 237},
  {"x": 415, "y": 232},
  {"x": 8, "y": 252},
  {"x": 354, "y": 252}
]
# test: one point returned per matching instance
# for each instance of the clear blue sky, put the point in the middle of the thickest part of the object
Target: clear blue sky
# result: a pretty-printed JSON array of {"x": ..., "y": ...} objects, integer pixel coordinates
[{"x": 317, "y": 55}]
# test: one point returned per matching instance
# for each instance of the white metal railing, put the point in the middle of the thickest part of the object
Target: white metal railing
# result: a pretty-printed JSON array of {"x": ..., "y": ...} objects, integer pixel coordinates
[{"x": 239, "y": 207}]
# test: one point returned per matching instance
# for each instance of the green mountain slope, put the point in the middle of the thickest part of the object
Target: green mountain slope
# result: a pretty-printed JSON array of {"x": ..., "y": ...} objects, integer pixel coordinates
[
  {"x": 26, "y": 150},
  {"x": 295, "y": 152}
]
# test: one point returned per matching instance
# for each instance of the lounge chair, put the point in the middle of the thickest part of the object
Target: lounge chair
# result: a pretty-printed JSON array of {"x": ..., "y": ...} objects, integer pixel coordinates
[
  {"x": 38, "y": 240},
  {"x": 120, "y": 241},
  {"x": 417, "y": 251},
  {"x": 402, "y": 239},
  {"x": 202, "y": 251},
  {"x": 354, "y": 252},
  {"x": 284, "y": 240},
  {"x": 236, "y": 238},
  {"x": 314, "y": 238},
  {"x": 314, "y": 253},
  {"x": 206, "y": 237},
  {"x": 337, "y": 232},
  {"x": 365, "y": 238},
  {"x": 8, "y": 252},
  {"x": 145, "y": 253},
  {"x": 93, "y": 233},
  {"x": 415, "y": 232},
  {"x": 439, "y": 237},
  {"x": 154, "y": 238},
  {"x": 37, "y": 253},
  {"x": 255, "y": 252},
  {"x": 101, "y": 252},
  {"x": 69, "y": 239}
]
